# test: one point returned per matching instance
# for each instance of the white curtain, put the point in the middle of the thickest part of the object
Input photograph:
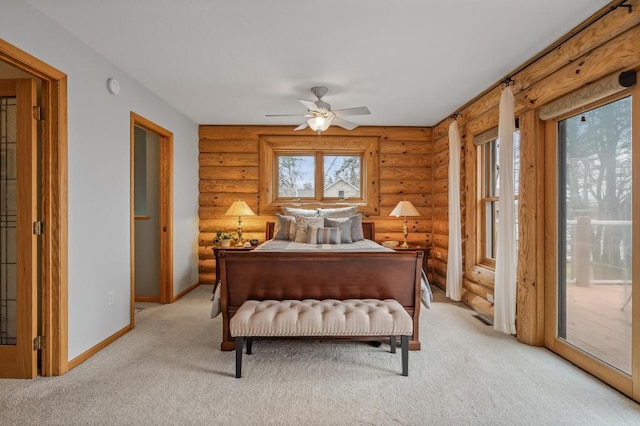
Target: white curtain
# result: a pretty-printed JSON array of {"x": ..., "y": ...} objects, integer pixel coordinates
[
  {"x": 505, "y": 285},
  {"x": 454, "y": 262}
]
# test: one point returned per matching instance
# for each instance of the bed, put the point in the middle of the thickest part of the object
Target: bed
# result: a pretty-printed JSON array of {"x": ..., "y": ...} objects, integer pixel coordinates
[{"x": 282, "y": 269}]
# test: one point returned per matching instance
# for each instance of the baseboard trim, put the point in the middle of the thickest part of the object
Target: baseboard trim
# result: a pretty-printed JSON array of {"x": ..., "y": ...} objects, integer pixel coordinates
[
  {"x": 97, "y": 348},
  {"x": 184, "y": 292},
  {"x": 148, "y": 299}
]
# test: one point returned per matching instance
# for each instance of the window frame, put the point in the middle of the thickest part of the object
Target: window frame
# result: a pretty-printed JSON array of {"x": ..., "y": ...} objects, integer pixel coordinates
[
  {"x": 319, "y": 156},
  {"x": 271, "y": 147},
  {"x": 485, "y": 199}
]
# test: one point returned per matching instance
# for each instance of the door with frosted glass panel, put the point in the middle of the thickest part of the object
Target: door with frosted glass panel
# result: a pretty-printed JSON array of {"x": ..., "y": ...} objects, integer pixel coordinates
[
  {"x": 18, "y": 286},
  {"x": 594, "y": 220}
]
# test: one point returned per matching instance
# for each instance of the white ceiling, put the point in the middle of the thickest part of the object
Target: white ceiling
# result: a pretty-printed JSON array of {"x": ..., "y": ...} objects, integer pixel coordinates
[{"x": 412, "y": 62}]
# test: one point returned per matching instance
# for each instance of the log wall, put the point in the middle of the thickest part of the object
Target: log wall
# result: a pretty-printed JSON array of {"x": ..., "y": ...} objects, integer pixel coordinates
[
  {"x": 605, "y": 44},
  {"x": 229, "y": 170}
]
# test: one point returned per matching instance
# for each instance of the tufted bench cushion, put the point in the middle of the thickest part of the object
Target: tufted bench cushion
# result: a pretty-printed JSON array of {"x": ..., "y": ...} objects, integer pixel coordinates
[
  {"x": 327, "y": 318},
  {"x": 354, "y": 317}
]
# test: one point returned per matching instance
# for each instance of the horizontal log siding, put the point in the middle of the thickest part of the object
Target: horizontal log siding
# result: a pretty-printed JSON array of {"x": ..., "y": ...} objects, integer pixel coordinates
[
  {"x": 607, "y": 45},
  {"x": 229, "y": 170}
]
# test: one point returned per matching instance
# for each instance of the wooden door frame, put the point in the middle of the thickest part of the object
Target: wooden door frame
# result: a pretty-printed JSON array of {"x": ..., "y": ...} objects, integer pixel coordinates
[
  {"x": 54, "y": 299},
  {"x": 165, "y": 198}
]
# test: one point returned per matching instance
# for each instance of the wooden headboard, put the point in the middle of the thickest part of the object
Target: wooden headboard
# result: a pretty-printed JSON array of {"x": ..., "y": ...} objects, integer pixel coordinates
[{"x": 368, "y": 229}]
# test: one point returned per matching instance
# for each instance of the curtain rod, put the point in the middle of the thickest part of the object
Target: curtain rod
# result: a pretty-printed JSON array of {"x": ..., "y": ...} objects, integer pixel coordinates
[{"x": 562, "y": 40}]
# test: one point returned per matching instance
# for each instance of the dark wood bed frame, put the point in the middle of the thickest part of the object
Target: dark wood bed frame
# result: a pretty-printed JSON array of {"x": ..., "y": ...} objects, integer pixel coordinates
[{"x": 265, "y": 275}]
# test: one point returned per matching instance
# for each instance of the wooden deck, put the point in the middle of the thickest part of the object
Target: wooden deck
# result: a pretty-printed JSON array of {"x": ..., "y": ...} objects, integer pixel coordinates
[{"x": 599, "y": 322}]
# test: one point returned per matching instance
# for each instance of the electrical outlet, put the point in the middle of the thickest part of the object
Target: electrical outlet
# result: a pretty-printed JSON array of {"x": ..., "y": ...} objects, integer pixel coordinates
[
  {"x": 490, "y": 297},
  {"x": 110, "y": 297}
]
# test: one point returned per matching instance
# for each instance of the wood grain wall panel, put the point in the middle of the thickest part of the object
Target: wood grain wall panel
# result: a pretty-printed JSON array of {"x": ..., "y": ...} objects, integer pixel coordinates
[
  {"x": 232, "y": 173},
  {"x": 405, "y": 160},
  {"x": 415, "y": 173},
  {"x": 220, "y": 159},
  {"x": 405, "y": 147},
  {"x": 229, "y": 169},
  {"x": 220, "y": 146}
]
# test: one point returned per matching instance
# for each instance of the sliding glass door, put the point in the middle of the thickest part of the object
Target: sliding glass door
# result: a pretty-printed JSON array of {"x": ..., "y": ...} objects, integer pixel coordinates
[{"x": 592, "y": 211}]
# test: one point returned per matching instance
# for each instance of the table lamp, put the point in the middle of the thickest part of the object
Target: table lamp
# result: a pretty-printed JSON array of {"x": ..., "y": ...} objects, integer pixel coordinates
[
  {"x": 404, "y": 209},
  {"x": 239, "y": 208}
]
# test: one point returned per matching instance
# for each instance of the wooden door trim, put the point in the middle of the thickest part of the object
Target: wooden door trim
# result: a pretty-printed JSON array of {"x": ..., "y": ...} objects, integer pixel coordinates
[
  {"x": 54, "y": 299},
  {"x": 165, "y": 197}
]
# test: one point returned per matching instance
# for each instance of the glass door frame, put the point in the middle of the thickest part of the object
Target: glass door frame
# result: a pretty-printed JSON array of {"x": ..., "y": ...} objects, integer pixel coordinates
[{"x": 629, "y": 385}]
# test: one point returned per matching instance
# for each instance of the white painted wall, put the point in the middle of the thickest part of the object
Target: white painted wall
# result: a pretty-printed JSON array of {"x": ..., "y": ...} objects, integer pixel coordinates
[{"x": 98, "y": 136}]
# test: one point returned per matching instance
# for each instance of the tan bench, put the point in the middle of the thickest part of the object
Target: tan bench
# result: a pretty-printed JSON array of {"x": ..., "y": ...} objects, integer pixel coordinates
[{"x": 322, "y": 318}]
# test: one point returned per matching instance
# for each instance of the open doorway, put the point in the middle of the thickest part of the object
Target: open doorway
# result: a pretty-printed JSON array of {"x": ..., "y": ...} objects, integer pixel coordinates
[{"x": 151, "y": 213}]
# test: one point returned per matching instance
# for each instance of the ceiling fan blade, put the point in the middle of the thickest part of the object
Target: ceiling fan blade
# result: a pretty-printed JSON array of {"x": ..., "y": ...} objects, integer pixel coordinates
[
  {"x": 343, "y": 123},
  {"x": 302, "y": 126},
  {"x": 311, "y": 106},
  {"x": 352, "y": 111}
]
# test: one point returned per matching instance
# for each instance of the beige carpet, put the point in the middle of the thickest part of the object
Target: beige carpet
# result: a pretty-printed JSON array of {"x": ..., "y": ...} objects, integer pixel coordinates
[{"x": 169, "y": 371}]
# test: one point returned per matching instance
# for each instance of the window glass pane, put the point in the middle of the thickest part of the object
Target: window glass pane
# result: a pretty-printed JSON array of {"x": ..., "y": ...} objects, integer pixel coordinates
[
  {"x": 296, "y": 176},
  {"x": 491, "y": 227},
  {"x": 341, "y": 176}
]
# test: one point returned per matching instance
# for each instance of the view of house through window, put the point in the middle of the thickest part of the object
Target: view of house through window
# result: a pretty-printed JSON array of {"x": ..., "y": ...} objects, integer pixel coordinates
[
  {"x": 490, "y": 194},
  {"x": 341, "y": 176}
]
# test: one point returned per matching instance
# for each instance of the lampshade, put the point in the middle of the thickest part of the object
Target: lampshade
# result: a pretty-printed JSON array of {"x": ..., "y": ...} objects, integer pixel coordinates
[
  {"x": 404, "y": 208},
  {"x": 239, "y": 208},
  {"x": 319, "y": 123}
]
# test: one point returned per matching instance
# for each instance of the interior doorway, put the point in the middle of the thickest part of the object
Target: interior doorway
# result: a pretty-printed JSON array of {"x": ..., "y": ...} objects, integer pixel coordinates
[
  {"x": 52, "y": 303},
  {"x": 151, "y": 213}
]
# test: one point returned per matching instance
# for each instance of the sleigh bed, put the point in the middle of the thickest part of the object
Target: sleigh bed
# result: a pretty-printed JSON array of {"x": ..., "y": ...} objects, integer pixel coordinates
[{"x": 289, "y": 270}]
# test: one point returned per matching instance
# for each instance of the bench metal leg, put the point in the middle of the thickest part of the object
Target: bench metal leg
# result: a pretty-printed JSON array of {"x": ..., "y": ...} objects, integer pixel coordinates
[
  {"x": 249, "y": 345},
  {"x": 392, "y": 344},
  {"x": 239, "y": 344},
  {"x": 405, "y": 355}
]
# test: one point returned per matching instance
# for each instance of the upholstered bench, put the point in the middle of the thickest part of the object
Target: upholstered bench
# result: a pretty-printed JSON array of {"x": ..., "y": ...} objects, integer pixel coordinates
[{"x": 322, "y": 318}]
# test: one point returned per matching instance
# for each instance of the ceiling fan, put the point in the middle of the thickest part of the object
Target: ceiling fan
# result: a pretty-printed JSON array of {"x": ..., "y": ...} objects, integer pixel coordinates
[{"x": 320, "y": 115}]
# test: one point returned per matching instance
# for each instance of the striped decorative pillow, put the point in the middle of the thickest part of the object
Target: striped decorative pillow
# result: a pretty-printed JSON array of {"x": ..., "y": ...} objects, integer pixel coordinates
[{"x": 322, "y": 235}]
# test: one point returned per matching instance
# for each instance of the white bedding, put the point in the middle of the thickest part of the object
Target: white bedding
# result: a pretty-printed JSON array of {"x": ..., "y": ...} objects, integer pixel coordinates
[{"x": 365, "y": 245}]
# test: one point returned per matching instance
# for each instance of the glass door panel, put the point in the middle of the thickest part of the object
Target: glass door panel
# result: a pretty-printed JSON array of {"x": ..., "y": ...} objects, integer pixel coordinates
[
  {"x": 8, "y": 283},
  {"x": 594, "y": 235}
]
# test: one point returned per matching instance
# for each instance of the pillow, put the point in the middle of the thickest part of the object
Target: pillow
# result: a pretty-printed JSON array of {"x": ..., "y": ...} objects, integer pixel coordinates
[
  {"x": 344, "y": 225},
  {"x": 324, "y": 235},
  {"x": 282, "y": 227},
  {"x": 302, "y": 227},
  {"x": 290, "y": 211},
  {"x": 355, "y": 232},
  {"x": 338, "y": 212},
  {"x": 216, "y": 307}
]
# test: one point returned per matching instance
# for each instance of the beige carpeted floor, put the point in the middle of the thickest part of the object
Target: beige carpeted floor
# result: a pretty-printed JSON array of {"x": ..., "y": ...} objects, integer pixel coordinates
[{"x": 169, "y": 371}]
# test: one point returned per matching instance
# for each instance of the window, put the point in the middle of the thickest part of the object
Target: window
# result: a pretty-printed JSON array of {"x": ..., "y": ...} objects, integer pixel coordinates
[
  {"x": 340, "y": 174},
  {"x": 489, "y": 200},
  {"x": 312, "y": 172}
]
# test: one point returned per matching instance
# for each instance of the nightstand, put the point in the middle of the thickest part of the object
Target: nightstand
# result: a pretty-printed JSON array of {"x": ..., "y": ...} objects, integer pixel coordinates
[
  {"x": 425, "y": 254},
  {"x": 218, "y": 249}
]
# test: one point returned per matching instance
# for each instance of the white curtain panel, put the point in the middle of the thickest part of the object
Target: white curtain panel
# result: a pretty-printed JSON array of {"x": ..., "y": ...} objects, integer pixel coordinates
[
  {"x": 505, "y": 285},
  {"x": 454, "y": 262}
]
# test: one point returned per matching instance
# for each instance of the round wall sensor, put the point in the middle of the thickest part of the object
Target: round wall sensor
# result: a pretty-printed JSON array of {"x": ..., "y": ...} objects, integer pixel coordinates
[{"x": 113, "y": 86}]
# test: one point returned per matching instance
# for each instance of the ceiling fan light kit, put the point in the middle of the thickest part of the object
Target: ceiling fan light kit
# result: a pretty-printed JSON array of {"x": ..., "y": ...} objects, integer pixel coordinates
[{"x": 320, "y": 116}]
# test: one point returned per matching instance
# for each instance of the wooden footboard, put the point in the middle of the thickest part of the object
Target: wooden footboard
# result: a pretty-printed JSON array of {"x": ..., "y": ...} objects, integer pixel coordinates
[{"x": 299, "y": 275}]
